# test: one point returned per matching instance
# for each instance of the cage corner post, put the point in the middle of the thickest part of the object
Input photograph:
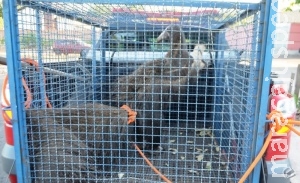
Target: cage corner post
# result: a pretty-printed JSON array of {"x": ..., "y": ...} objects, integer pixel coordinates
[
  {"x": 15, "y": 87},
  {"x": 40, "y": 51},
  {"x": 99, "y": 68},
  {"x": 219, "y": 73},
  {"x": 264, "y": 79}
]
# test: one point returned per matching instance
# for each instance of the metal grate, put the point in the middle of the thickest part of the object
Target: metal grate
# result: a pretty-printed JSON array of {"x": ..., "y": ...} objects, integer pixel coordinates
[{"x": 195, "y": 116}]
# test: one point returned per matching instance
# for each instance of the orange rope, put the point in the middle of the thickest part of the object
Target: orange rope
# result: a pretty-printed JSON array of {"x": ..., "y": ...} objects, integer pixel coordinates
[
  {"x": 294, "y": 122},
  {"x": 131, "y": 119},
  {"x": 34, "y": 63},
  {"x": 27, "y": 90},
  {"x": 293, "y": 129},
  {"x": 131, "y": 114},
  {"x": 258, "y": 157},
  {"x": 151, "y": 165},
  {"x": 278, "y": 122}
]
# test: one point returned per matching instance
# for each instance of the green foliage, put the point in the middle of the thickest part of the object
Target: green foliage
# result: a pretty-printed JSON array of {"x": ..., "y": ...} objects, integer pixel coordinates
[
  {"x": 1, "y": 17},
  {"x": 47, "y": 43},
  {"x": 1, "y": 10},
  {"x": 297, "y": 100},
  {"x": 28, "y": 40},
  {"x": 289, "y": 8}
]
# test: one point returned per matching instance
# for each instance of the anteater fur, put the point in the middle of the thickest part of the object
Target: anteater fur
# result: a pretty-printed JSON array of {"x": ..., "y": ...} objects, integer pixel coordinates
[
  {"x": 154, "y": 85},
  {"x": 82, "y": 143}
]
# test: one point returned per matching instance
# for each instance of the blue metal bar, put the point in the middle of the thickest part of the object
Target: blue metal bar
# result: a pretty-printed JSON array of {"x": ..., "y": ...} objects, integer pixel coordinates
[
  {"x": 246, "y": 13},
  {"x": 253, "y": 90},
  {"x": 94, "y": 68},
  {"x": 99, "y": 66},
  {"x": 218, "y": 98},
  {"x": 250, "y": 5},
  {"x": 264, "y": 79},
  {"x": 40, "y": 62},
  {"x": 103, "y": 61},
  {"x": 15, "y": 86},
  {"x": 69, "y": 15},
  {"x": 220, "y": 54}
]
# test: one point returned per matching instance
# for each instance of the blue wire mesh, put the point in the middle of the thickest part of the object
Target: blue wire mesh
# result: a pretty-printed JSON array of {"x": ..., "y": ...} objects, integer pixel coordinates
[{"x": 206, "y": 134}]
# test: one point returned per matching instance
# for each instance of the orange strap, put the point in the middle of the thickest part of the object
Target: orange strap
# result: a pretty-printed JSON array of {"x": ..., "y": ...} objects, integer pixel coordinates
[
  {"x": 257, "y": 158},
  {"x": 278, "y": 121},
  {"x": 34, "y": 63},
  {"x": 27, "y": 90},
  {"x": 131, "y": 114},
  {"x": 131, "y": 119},
  {"x": 151, "y": 165}
]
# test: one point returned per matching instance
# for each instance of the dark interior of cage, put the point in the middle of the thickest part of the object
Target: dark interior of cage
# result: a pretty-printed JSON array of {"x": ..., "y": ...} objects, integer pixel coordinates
[
  {"x": 197, "y": 143},
  {"x": 190, "y": 151}
]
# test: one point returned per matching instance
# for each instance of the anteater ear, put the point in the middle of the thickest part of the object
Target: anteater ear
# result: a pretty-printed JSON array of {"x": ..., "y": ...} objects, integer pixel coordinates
[{"x": 165, "y": 35}]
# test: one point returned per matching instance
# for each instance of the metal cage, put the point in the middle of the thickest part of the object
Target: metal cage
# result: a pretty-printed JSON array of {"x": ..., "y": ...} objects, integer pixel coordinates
[{"x": 68, "y": 125}]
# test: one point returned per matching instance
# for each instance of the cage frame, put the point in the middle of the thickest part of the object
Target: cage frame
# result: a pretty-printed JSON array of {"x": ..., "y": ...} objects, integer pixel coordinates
[{"x": 13, "y": 56}]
